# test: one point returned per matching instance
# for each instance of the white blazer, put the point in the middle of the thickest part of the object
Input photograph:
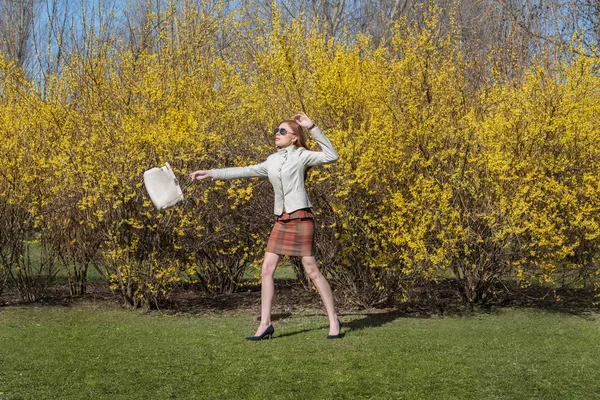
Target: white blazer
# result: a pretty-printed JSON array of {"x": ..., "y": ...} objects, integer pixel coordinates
[{"x": 286, "y": 170}]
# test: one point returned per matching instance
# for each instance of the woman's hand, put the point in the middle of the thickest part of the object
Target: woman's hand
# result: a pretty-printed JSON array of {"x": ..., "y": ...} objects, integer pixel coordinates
[
  {"x": 200, "y": 174},
  {"x": 303, "y": 120}
]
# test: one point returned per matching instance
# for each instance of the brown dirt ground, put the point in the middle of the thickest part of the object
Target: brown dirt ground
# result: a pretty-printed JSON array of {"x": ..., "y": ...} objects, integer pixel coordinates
[{"x": 291, "y": 298}]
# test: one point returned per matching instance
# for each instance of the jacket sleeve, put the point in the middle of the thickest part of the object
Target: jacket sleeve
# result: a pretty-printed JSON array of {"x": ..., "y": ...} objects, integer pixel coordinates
[
  {"x": 251, "y": 171},
  {"x": 315, "y": 158}
]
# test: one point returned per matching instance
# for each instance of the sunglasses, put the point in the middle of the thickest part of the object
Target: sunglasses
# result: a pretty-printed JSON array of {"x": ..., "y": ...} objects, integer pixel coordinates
[{"x": 281, "y": 131}]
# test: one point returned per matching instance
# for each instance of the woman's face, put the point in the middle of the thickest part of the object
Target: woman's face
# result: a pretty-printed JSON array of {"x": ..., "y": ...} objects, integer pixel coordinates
[{"x": 284, "y": 140}]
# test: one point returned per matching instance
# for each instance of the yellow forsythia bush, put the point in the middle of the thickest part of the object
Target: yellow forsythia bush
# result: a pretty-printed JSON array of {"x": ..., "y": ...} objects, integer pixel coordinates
[{"x": 437, "y": 178}]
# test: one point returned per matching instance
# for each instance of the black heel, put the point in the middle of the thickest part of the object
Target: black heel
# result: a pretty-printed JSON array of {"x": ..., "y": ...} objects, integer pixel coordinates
[
  {"x": 339, "y": 335},
  {"x": 268, "y": 333}
]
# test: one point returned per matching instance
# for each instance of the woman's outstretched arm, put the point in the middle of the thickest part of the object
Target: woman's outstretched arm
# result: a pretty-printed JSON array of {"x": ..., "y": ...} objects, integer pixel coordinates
[{"x": 251, "y": 171}]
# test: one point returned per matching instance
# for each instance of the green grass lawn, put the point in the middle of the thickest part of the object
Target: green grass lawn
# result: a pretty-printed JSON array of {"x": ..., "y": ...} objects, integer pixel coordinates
[{"x": 98, "y": 352}]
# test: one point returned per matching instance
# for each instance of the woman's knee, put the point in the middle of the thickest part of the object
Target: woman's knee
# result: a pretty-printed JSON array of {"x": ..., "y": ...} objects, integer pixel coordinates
[
  {"x": 269, "y": 265},
  {"x": 311, "y": 268}
]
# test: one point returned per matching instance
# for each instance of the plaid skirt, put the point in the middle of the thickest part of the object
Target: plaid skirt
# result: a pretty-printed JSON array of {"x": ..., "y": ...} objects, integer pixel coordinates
[{"x": 293, "y": 234}]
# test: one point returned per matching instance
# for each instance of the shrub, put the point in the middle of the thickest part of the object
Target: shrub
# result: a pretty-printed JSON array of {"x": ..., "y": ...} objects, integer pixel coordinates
[{"x": 441, "y": 174}]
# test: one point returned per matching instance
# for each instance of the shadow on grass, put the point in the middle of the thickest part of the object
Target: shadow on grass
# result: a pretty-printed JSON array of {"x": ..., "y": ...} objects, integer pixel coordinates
[
  {"x": 362, "y": 321},
  {"x": 294, "y": 333},
  {"x": 375, "y": 320},
  {"x": 303, "y": 331}
]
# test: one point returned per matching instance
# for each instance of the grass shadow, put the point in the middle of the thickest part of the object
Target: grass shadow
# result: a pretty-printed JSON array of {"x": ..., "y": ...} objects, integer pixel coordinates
[
  {"x": 363, "y": 321},
  {"x": 287, "y": 334},
  {"x": 376, "y": 320}
]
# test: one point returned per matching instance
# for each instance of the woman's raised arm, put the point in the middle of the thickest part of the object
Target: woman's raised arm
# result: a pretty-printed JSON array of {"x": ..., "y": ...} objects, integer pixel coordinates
[{"x": 314, "y": 158}]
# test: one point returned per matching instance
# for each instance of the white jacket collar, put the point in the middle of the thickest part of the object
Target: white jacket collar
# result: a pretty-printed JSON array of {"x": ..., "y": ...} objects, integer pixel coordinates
[{"x": 288, "y": 149}]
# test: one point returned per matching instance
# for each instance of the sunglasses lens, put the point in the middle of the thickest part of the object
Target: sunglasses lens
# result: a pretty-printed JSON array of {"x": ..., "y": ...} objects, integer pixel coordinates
[{"x": 281, "y": 131}]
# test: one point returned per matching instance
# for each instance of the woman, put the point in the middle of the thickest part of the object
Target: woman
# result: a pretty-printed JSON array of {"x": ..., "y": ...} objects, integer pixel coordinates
[{"x": 293, "y": 232}]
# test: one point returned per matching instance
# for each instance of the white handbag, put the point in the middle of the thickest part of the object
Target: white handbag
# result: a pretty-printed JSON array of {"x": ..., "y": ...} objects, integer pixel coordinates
[{"x": 163, "y": 187}]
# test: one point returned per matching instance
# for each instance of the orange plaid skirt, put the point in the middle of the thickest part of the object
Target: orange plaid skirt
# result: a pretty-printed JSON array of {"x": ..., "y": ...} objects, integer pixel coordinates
[{"x": 293, "y": 234}]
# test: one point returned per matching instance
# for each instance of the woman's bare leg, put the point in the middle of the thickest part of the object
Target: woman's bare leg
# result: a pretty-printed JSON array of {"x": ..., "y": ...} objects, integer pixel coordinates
[
  {"x": 311, "y": 268},
  {"x": 267, "y": 289}
]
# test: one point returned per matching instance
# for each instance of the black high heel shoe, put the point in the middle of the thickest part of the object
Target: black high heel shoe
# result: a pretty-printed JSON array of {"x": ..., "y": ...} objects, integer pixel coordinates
[
  {"x": 339, "y": 335},
  {"x": 268, "y": 333}
]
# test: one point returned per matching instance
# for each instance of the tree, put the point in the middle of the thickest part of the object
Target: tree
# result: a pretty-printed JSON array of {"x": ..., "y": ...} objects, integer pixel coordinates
[{"x": 16, "y": 26}]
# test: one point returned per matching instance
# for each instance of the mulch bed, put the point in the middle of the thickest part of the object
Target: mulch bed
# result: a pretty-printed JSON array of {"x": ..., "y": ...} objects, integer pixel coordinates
[{"x": 291, "y": 298}]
